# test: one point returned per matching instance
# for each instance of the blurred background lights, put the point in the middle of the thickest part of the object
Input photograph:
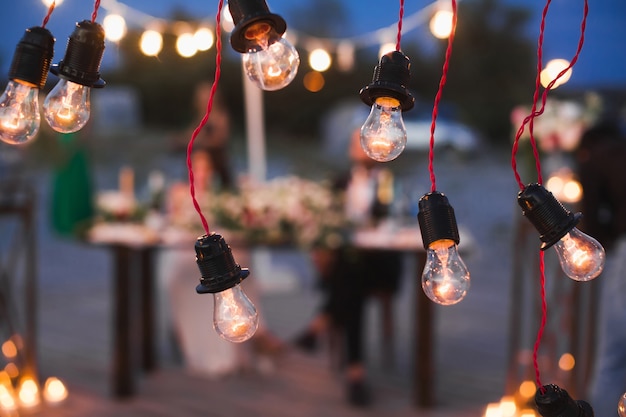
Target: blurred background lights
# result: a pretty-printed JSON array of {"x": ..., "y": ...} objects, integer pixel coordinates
[
  {"x": 567, "y": 362},
  {"x": 151, "y": 43},
  {"x": 345, "y": 55},
  {"x": 386, "y": 48},
  {"x": 28, "y": 393},
  {"x": 227, "y": 20},
  {"x": 527, "y": 389},
  {"x": 313, "y": 81},
  {"x": 203, "y": 38},
  {"x": 114, "y": 27},
  {"x": 9, "y": 350},
  {"x": 12, "y": 370},
  {"x": 565, "y": 186},
  {"x": 49, "y": 2},
  {"x": 319, "y": 60},
  {"x": 507, "y": 406},
  {"x": 186, "y": 45},
  {"x": 552, "y": 69},
  {"x": 441, "y": 24},
  {"x": 54, "y": 390}
]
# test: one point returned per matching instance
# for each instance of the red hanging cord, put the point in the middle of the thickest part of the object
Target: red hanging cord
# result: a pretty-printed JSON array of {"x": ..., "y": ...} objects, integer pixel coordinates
[
  {"x": 442, "y": 83},
  {"x": 530, "y": 121},
  {"x": 203, "y": 122},
  {"x": 50, "y": 10},
  {"x": 400, "y": 19},
  {"x": 94, "y": 15}
]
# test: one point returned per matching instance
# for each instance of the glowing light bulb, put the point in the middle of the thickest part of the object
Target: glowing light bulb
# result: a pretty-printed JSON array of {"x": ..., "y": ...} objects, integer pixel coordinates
[
  {"x": 621, "y": 406},
  {"x": 67, "y": 107},
  {"x": 151, "y": 42},
  {"x": 445, "y": 279},
  {"x": 234, "y": 316},
  {"x": 383, "y": 135},
  {"x": 54, "y": 390},
  {"x": 269, "y": 60},
  {"x": 273, "y": 63},
  {"x": 28, "y": 392},
  {"x": 19, "y": 104},
  {"x": 19, "y": 113},
  {"x": 581, "y": 256}
]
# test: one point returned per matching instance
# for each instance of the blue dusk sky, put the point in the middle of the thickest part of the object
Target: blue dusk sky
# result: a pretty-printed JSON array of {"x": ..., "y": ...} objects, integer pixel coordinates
[{"x": 602, "y": 62}]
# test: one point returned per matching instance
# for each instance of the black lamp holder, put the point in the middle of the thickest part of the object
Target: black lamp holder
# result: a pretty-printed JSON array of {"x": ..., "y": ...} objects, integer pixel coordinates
[
  {"x": 546, "y": 213},
  {"x": 32, "y": 57},
  {"x": 553, "y": 401},
  {"x": 391, "y": 77},
  {"x": 217, "y": 266},
  {"x": 436, "y": 219},
  {"x": 247, "y": 12},
  {"x": 83, "y": 55}
]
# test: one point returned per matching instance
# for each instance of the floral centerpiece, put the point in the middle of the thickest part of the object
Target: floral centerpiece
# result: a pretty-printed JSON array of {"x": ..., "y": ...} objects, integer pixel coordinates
[{"x": 284, "y": 210}]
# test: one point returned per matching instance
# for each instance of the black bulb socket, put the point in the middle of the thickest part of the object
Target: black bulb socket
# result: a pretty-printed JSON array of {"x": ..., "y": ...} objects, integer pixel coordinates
[
  {"x": 551, "y": 219},
  {"x": 33, "y": 57},
  {"x": 217, "y": 266},
  {"x": 83, "y": 55},
  {"x": 245, "y": 13},
  {"x": 436, "y": 219},
  {"x": 391, "y": 77},
  {"x": 553, "y": 401}
]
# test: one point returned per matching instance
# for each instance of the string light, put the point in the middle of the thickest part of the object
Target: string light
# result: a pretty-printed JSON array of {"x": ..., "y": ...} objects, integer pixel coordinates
[
  {"x": 19, "y": 104},
  {"x": 114, "y": 27},
  {"x": 552, "y": 69},
  {"x": 67, "y": 107},
  {"x": 269, "y": 60},
  {"x": 151, "y": 42}
]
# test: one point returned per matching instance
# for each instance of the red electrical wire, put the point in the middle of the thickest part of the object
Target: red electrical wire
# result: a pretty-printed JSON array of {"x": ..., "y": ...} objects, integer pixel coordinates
[
  {"x": 400, "y": 18},
  {"x": 530, "y": 121},
  {"x": 50, "y": 10},
  {"x": 442, "y": 83},
  {"x": 94, "y": 15},
  {"x": 203, "y": 122}
]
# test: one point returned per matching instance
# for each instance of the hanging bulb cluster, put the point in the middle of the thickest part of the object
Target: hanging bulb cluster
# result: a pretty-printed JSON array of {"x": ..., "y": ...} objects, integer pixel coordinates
[
  {"x": 234, "y": 316},
  {"x": 67, "y": 107},
  {"x": 383, "y": 135},
  {"x": 553, "y": 401},
  {"x": 581, "y": 257},
  {"x": 19, "y": 104},
  {"x": 269, "y": 60},
  {"x": 445, "y": 279}
]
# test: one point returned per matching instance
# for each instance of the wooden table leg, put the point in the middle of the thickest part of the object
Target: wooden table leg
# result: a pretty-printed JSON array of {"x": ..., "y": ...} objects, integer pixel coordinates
[
  {"x": 123, "y": 375},
  {"x": 149, "y": 359},
  {"x": 424, "y": 359}
]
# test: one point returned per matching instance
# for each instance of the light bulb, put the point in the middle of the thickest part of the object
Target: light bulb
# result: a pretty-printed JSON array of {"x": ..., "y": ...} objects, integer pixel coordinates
[
  {"x": 383, "y": 135},
  {"x": 445, "y": 279},
  {"x": 19, "y": 113},
  {"x": 67, "y": 107},
  {"x": 553, "y": 401},
  {"x": 19, "y": 104},
  {"x": 269, "y": 60},
  {"x": 234, "y": 316},
  {"x": 273, "y": 62},
  {"x": 581, "y": 256},
  {"x": 621, "y": 406}
]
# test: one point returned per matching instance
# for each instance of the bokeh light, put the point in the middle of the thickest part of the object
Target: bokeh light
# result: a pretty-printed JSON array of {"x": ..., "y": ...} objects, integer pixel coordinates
[
  {"x": 552, "y": 69},
  {"x": 441, "y": 24},
  {"x": 319, "y": 60},
  {"x": 313, "y": 81},
  {"x": 151, "y": 42},
  {"x": 186, "y": 45},
  {"x": 114, "y": 27},
  {"x": 204, "y": 39}
]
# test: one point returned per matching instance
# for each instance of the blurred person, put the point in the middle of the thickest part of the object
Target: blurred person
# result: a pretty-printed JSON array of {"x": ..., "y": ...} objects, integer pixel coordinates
[
  {"x": 349, "y": 275},
  {"x": 203, "y": 350},
  {"x": 214, "y": 136},
  {"x": 602, "y": 173}
]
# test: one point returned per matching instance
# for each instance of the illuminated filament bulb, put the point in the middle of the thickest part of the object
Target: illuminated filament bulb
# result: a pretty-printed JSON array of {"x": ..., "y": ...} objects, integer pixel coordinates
[
  {"x": 19, "y": 104},
  {"x": 54, "y": 390},
  {"x": 67, "y": 107},
  {"x": 383, "y": 135},
  {"x": 269, "y": 60},
  {"x": 581, "y": 257},
  {"x": 445, "y": 279},
  {"x": 234, "y": 316}
]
